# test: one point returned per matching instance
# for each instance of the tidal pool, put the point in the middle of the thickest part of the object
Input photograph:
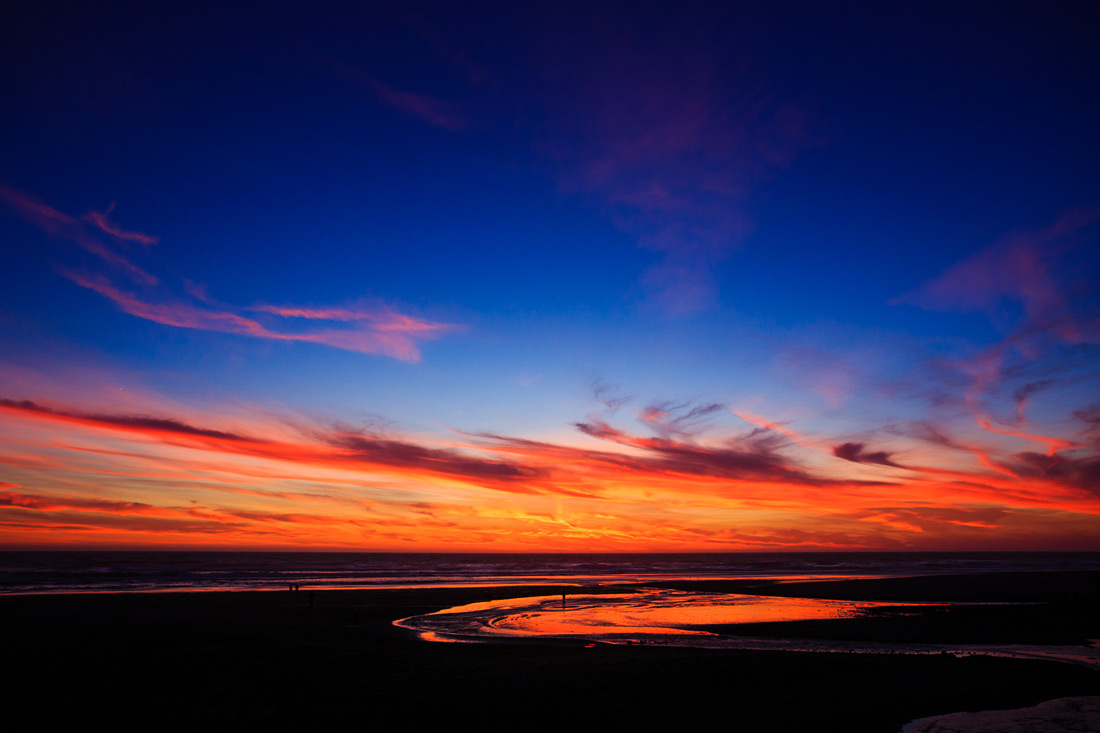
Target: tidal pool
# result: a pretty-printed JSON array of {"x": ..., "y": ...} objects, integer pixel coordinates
[
  {"x": 682, "y": 618},
  {"x": 622, "y": 617}
]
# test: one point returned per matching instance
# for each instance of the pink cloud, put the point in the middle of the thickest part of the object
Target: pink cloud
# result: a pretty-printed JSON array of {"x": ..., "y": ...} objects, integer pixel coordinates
[
  {"x": 1019, "y": 268},
  {"x": 1031, "y": 285},
  {"x": 382, "y": 332},
  {"x": 59, "y": 224},
  {"x": 1053, "y": 444},
  {"x": 381, "y": 320},
  {"x": 670, "y": 149},
  {"x": 100, "y": 220},
  {"x": 46, "y": 218},
  {"x": 434, "y": 111},
  {"x": 429, "y": 109},
  {"x": 779, "y": 428}
]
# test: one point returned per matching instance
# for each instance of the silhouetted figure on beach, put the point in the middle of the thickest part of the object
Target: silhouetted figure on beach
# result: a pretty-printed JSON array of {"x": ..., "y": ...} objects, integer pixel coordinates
[{"x": 311, "y": 599}]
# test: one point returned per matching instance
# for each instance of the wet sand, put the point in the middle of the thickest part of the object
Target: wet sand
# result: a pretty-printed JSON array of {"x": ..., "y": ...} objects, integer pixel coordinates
[{"x": 225, "y": 660}]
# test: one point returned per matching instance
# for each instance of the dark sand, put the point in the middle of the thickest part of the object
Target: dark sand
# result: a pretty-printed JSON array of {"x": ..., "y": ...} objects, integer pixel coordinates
[{"x": 267, "y": 659}]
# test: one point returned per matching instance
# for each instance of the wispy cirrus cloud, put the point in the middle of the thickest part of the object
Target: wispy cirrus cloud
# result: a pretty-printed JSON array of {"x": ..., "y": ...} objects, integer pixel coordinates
[
  {"x": 1025, "y": 392},
  {"x": 101, "y": 220},
  {"x": 932, "y": 518},
  {"x": 669, "y": 418},
  {"x": 380, "y": 331},
  {"x": 431, "y": 110},
  {"x": 381, "y": 320},
  {"x": 1054, "y": 444},
  {"x": 60, "y": 225},
  {"x": 610, "y": 396},
  {"x": 52, "y": 522},
  {"x": 669, "y": 142},
  {"x": 1021, "y": 268},
  {"x": 668, "y": 135},
  {"x": 434, "y": 111},
  {"x": 1038, "y": 289},
  {"x": 362, "y": 329},
  {"x": 752, "y": 458},
  {"x": 53, "y": 503},
  {"x": 779, "y": 428}
]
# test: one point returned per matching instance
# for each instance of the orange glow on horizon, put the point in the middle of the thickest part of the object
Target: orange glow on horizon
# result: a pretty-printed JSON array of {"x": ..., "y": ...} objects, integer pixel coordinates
[{"x": 177, "y": 484}]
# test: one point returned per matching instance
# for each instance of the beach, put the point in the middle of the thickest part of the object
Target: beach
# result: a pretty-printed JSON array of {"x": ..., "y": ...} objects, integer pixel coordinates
[{"x": 313, "y": 660}]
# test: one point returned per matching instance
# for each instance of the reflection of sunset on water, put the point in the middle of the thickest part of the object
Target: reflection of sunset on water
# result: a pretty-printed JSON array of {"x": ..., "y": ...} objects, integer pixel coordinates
[
  {"x": 706, "y": 620},
  {"x": 611, "y": 616}
]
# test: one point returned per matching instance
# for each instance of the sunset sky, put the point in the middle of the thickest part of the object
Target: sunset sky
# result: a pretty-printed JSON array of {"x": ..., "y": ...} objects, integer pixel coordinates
[{"x": 550, "y": 276}]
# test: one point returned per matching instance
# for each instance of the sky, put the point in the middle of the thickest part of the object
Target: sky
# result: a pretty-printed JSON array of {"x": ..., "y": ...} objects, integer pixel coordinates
[{"x": 515, "y": 277}]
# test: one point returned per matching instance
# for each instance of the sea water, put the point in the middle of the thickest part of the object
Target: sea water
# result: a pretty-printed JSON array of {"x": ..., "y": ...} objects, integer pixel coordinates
[{"x": 114, "y": 571}]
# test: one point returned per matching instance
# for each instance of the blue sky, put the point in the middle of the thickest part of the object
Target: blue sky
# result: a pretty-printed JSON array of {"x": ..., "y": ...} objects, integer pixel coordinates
[{"x": 726, "y": 233}]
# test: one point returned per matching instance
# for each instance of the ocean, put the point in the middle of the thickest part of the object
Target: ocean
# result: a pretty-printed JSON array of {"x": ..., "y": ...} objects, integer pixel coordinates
[{"x": 144, "y": 571}]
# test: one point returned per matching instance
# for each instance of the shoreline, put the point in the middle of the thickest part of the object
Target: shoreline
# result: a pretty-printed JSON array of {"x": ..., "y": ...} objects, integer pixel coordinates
[{"x": 267, "y": 658}]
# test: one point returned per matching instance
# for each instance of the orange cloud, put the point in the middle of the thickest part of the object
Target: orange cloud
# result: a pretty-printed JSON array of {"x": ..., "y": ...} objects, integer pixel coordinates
[{"x": 256, "y": 486}]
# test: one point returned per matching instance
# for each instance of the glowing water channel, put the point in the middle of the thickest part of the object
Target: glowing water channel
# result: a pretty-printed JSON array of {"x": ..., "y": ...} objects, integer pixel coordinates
[
  {"x": 620, "y": 617},
  {"x": 681, "y": 618}
]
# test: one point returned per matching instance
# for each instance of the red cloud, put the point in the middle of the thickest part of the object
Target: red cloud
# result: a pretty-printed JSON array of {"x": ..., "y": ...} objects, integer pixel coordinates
[
  {"x": 49, "y": 503},
  {"x": 337, "y": 449}
]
